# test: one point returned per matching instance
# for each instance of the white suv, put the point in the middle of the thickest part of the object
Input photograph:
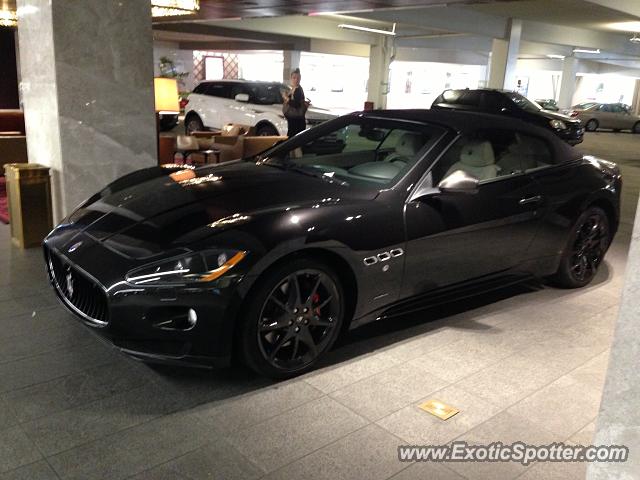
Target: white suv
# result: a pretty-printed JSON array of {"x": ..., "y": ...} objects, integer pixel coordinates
[{"x": 215, "y": 103}]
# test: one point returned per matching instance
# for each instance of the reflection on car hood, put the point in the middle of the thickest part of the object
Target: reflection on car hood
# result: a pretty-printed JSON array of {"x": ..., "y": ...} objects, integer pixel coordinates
[
  {"x": 173, "y": 211},
  {"x": 558, "y": 116}
]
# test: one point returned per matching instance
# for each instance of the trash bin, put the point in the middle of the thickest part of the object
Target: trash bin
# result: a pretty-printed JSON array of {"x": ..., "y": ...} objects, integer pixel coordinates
[{"x": 29, "y": 198}]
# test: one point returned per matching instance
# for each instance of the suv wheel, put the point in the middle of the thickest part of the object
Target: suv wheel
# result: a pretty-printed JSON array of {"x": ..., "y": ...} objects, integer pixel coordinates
[
  {"x": 267, "y": 131},
  {"x": 193, "y": 124}
]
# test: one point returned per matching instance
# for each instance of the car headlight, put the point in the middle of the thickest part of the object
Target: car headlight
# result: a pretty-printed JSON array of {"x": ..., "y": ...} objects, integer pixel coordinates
[
  {"x": 196, "y": 268},
  {"x": 558, "y": 124}
]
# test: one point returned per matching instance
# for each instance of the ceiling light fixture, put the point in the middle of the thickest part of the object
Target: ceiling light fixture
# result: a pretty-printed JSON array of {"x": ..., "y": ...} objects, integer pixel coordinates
[
  {"x": 585, "y": 50},
  {"x": 367, "y": 29},
  {"x": 171, "y": 8},
  {"x": 8, "y": 18},
  {"x": 555, "y": 57}
]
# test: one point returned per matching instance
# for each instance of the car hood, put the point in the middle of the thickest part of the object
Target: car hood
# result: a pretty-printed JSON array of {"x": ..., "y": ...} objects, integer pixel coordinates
[
  {"x": 558, "y": 116},
  {"x": 188, "y": 206}
]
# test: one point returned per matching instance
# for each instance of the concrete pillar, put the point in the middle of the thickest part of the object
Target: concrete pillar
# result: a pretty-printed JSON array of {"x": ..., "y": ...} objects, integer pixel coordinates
[
  {"x": 379, "y": 62},
  {"x": 635, "y": 103},
  {"x": 504, "y": 57},
  {"x": 87, "y": 88},
  {"x": 619, "y": 418},
  {"x": 568, "y": 82},
  {"x": 291, "y": 61}
]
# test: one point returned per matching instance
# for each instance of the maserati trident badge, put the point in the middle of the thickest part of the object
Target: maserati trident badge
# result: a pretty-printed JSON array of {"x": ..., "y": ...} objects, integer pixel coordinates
[
  {"x": 74, "y": 247},
  {"x": 69, "y": 278}
]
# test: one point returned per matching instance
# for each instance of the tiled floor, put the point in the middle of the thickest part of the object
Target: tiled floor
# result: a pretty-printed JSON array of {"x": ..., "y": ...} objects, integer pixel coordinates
[{"x": 524, "y": 364}]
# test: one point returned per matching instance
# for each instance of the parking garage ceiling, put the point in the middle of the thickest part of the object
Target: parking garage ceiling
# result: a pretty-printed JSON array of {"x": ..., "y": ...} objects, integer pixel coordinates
[{"x": 215, "y": 9}]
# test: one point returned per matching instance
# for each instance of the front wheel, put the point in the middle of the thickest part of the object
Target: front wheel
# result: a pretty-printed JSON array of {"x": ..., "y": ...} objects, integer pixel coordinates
[
  {"x": 295, "y": 315},
  {"x": 193, "y": 124},
  {"x": 592, "y": 125},
  {"x": 636, "y": 128},
  {"x": 587, "y": 245}
]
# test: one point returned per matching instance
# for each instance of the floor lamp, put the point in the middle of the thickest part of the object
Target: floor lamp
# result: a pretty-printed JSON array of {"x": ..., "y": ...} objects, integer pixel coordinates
[{"x": 167, "y": 101}]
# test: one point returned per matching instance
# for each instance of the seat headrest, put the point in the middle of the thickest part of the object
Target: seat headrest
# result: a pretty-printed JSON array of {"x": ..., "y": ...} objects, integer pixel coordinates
[
  {"x": 477, "y": 154},
  {"x": 409, "y": 144}
]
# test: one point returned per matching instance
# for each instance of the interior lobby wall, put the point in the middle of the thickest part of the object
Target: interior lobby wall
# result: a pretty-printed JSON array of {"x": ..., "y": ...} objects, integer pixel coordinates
[
  {"x": 9, "y": 77},
  {"x": 182, "y": 59}
]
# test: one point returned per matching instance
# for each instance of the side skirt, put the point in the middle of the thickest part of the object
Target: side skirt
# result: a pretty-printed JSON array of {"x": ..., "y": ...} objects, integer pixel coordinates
[{"x": 442, "y": 296}]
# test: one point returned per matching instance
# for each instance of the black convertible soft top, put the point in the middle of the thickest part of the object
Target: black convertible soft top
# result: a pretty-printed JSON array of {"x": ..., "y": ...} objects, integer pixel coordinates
[{"x": 466, "y": 122}]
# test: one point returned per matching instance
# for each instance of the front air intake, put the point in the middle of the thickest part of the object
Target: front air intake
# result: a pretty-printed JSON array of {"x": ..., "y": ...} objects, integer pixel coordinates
[{"x": 77, "y": 290}]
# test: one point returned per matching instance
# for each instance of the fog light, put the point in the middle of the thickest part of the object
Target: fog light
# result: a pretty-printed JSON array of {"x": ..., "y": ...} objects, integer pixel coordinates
[{"x": 172, "y": 318}]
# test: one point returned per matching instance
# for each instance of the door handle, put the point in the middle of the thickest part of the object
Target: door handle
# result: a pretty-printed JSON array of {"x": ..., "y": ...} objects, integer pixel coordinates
[{"x": 531, "y": 200}]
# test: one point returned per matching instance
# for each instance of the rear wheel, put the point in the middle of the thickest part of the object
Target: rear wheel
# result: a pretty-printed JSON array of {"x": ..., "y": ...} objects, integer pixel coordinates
[
  {"x": 295, "y": 316},
  {"x": 592, "y": 125},
  {"x": 585, "y": 249},
  {"x": 636, "y": 128},
  {"x": 267, "y": 130}
]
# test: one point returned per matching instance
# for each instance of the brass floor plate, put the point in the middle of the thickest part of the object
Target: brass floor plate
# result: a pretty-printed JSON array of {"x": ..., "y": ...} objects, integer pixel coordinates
[{"x": 438, "y": 409}]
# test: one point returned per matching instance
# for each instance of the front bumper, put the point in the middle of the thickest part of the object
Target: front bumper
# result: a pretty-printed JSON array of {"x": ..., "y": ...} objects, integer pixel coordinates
[
  {"x": 147, "y": 323},
  {"x": 573, "y": 135}
]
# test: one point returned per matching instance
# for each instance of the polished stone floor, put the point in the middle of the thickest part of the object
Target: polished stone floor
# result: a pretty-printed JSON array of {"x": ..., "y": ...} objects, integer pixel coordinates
[{"x": 526, "y": 364}]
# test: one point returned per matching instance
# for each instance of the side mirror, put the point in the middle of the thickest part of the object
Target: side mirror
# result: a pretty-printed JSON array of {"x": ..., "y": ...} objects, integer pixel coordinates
[
  {"x": 459, "y": 182},
  {"x": 242, "y": 97}
]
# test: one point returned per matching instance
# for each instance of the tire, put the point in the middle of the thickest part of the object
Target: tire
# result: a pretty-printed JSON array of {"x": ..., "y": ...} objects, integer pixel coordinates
[
  {"x": 193, "y": 124},
  {"x": 588, "y": 242},
  {"x": 267, "y": 130},
  {"x": 636, "y": 128},
  {"x": 285, "y": 330},
  {"x": 592, "y": 125}
]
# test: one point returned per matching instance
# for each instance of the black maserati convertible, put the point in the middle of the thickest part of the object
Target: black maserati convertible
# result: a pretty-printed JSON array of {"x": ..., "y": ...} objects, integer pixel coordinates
[{"x": 367, "y": 216}]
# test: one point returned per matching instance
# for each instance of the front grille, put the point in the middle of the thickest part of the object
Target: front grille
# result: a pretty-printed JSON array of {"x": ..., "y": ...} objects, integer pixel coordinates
[{"x": 80, "y": 293}]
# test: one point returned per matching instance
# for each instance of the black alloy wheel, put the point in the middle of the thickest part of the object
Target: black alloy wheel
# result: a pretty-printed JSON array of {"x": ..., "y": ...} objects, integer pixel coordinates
[
  {"x": 587, "y": 246},
  {"x": 299, "y": 315}
]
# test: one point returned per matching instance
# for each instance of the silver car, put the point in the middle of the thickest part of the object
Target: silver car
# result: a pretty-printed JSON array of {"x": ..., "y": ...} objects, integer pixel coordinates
[{"x": 614, "y": 116}]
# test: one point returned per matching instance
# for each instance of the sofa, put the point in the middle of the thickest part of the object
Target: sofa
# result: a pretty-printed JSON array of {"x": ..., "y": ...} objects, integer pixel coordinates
[
  {"x": 13, "y": 139},
  {"x": 232, "y": 142}
]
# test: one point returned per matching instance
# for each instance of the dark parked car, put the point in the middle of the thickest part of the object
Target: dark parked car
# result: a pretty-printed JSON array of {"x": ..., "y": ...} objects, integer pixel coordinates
[
  {"x": 512, "y": 104},
  {"x": 367, "y": 216}
]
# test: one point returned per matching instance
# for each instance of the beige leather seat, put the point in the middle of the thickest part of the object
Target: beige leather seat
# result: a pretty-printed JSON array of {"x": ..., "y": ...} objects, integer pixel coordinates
[
  {"x": 407, "y": 148},
  {"x": 478, "y": 160},
  {"x": 520, "y": 155}
]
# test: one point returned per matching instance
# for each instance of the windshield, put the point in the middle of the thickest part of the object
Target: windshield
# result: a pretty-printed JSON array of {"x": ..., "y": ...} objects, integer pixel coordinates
[
  {"x": 585, "y": 105},
  {"x": 523, "y": 102},
  {"x": 363, "y": 152},
  {"x": 266, "y": 93}
]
